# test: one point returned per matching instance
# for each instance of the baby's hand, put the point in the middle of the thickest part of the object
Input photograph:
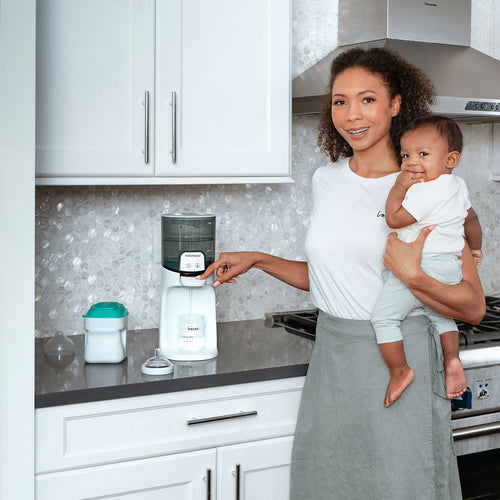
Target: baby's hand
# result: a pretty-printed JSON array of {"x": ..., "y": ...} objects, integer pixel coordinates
[
  {"x": 405, "y": 179},
  {"x": 477, "y": 257}
]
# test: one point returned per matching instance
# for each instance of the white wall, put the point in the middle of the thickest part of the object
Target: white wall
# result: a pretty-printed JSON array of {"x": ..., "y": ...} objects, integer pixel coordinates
[{"x": 17, "y": 174}]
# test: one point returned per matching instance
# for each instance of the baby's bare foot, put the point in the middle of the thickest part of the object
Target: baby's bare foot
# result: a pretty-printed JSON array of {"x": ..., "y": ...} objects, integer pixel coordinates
[
  {"x": 397, "y": 384},
  {"x": 455, "y": 377}
]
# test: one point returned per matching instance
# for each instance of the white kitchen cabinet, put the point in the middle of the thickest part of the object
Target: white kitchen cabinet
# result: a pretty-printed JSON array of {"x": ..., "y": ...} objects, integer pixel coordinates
[
  {"x": 255, "y": 471},
  {"x": 217, "y": 74},
  {"x": 225, "y": 63},
  {"x": 167, "y": 443},
  {"x": 258, "y": 470},
  {"x": 180, "y": 477},
  {"x": 95, "y": 66}
]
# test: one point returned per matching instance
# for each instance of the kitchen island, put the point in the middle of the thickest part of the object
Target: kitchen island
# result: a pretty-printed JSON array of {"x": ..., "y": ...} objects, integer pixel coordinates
[{"x": 212, "y": 429}]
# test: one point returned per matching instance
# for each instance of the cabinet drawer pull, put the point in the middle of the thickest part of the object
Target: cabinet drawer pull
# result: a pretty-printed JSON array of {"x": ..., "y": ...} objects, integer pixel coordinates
[
  {"x": 238, "y": 481},
  {"x": 209, "y": 484},
  {"x": 196, "y": 421},
  {"x": 146, "y": 126},
  {"x": 173, "y": 103}
]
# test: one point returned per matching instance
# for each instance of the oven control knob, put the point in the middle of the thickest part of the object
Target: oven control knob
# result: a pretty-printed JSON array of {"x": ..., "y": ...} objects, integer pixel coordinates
[{"x": 463, "y": 402}]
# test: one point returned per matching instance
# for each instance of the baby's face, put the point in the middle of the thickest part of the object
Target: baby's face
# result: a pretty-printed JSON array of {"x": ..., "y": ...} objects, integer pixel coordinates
[{"x": 425, "y": 154}]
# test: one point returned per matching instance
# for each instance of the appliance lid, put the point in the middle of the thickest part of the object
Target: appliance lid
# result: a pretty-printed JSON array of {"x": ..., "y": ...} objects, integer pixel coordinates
[{"x": 466, "y": 81}]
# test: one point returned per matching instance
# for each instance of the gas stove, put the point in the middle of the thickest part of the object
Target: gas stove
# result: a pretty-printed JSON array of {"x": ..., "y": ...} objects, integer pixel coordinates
[
  {"x": 476, "y": 415},
  {"x": 479, "y": 344}
]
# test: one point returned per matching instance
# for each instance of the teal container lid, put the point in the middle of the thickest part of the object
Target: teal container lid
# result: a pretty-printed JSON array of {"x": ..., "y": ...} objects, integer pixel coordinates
[{"x": 107, "y": 310}]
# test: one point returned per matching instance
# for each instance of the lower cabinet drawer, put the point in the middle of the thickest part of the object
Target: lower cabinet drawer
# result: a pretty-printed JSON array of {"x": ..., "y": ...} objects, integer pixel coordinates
[{"x": 111, "y": 431}]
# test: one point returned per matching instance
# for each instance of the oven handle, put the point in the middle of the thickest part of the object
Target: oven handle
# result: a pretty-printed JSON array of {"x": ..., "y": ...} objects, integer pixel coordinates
[{"x": 476, "y": 431}]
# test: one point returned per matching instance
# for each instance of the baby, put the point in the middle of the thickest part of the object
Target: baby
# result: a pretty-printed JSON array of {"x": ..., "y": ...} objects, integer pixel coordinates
[{"x": 425, "y": 194}]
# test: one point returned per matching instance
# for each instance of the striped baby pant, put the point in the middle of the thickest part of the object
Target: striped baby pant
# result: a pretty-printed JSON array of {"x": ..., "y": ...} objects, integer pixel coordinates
[{"x": 395, "y": 301}]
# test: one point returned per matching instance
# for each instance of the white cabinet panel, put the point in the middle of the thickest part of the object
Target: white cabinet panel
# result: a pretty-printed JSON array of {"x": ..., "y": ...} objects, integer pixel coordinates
[
  {"x": 108, "y": 431},
  {"x": 226, "y": 61},
  {"x": 145, "y": 448},
  {"x": 263, "y": 468},
  {"x": 95, "y": 61},
  {"x": 179, "y": 477}
]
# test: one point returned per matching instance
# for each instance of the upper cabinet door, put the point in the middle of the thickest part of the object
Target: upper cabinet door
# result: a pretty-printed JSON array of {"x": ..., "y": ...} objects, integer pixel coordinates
[
  {"x": 223, "y": 88},
  {"x": 95, "y": 66}
]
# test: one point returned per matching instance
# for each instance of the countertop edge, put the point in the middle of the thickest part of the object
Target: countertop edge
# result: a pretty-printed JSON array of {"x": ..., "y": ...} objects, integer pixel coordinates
[{"x": 165, "y": 386}]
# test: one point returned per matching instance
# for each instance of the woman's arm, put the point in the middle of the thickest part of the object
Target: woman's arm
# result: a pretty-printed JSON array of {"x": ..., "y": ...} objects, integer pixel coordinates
[
  {"x": 464, "y": 301},
  {"x": 230, "y": 265}
]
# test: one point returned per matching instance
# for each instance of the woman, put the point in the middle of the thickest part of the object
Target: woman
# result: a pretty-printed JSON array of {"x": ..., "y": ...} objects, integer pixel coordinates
[{"x": 347, "y": 444}]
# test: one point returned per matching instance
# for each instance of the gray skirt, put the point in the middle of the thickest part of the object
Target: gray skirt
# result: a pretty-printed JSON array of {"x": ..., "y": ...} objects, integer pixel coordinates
[{"x": 348, "y": 445}]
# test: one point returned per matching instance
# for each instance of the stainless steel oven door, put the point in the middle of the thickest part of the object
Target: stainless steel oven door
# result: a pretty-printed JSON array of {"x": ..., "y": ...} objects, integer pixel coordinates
[{"x": 473, "y": 434}]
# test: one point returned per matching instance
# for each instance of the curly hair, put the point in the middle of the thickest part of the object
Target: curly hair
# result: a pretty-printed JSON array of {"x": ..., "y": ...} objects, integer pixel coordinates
[{"x": 397, "y": 75}]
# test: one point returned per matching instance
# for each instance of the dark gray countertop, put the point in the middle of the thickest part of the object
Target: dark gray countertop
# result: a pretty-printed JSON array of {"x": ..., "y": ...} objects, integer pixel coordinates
[{"x": 249, "y": 351}]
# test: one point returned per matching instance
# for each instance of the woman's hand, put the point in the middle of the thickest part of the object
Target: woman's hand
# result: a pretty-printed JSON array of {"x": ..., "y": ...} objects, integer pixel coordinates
[
  {"x": 464, "y": 301},
  {"x": 403, "y": 259},
  {"x": 229, "y": 266}
]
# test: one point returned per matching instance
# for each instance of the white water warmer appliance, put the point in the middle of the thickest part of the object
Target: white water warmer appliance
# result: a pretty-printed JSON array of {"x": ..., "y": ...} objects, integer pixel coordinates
[{"x": 188, "y": 328}]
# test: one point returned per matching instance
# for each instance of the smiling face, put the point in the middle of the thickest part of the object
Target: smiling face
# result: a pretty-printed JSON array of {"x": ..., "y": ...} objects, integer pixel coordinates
[
  {"x": 425, "y": 153},
  {"x": 362, "y": 109}
]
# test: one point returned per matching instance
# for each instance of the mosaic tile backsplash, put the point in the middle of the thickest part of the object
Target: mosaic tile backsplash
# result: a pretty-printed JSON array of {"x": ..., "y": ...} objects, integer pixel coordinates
[{"x": 100, "y": 243}]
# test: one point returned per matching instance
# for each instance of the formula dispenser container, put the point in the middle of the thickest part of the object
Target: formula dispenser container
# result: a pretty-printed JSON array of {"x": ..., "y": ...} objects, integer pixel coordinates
[
  {"x": 106, "y": 333},
  {"x": 184, "y": 233}
]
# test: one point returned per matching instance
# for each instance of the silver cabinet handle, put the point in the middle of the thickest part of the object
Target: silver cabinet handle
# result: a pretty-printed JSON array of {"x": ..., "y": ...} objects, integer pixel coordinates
[
  {"x": 238, "y": 481},
  {"x": 196, "y": 421},
  {"x": 476, "y": 431},
  {"x": 173, "y": 103},
  {"x": 146, "y": 126},
  {"x": 209, "y": 484}
]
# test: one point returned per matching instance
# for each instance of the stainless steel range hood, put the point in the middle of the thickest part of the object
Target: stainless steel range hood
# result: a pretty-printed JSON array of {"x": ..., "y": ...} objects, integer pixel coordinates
[{"x": 433, "y": 35}]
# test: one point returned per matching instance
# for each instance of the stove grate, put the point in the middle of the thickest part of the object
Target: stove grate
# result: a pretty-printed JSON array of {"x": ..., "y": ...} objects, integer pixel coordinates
[{"x": 303, "y": 323}]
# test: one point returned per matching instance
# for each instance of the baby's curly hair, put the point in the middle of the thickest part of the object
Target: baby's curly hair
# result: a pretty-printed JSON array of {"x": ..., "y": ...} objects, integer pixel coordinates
[{"x": 398, "y": 76}]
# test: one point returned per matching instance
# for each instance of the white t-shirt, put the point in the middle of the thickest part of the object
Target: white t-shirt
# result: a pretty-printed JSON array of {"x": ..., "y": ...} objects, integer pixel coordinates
[
  {"x": 443, "y": 201},
  {"x": 346, "y": 240}
]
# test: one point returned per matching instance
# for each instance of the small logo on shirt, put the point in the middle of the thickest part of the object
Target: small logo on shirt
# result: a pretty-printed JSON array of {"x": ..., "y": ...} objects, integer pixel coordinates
[{"x": 380, "y": 214}]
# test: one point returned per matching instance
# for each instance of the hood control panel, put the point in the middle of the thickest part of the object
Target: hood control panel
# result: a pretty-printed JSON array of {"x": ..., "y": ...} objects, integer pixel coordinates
[{"x": 482, "y": 106}]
